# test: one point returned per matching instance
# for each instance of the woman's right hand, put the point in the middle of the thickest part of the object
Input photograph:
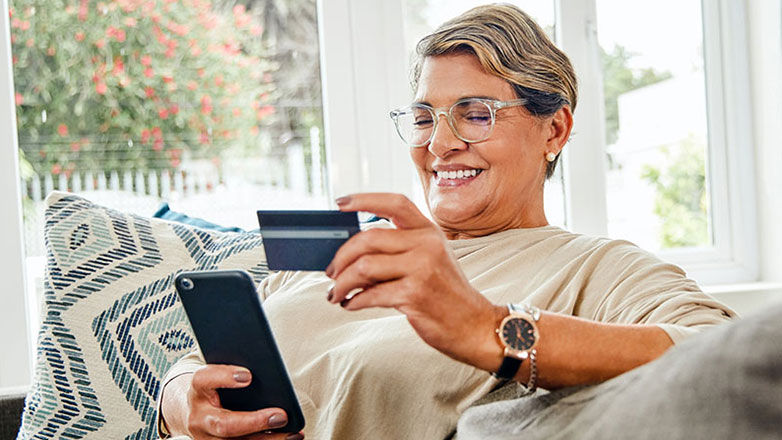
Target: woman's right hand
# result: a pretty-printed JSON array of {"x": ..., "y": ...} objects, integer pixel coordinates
[{"x": 191, "y": 407}]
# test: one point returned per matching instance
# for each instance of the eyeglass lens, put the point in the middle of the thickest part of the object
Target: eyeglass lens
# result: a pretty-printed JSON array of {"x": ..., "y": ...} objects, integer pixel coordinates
[{"x": 472, "y": 122}]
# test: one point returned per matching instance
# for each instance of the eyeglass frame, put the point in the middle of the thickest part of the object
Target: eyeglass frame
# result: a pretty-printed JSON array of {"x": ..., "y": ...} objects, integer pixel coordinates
[{"x": 493, "y": 104}]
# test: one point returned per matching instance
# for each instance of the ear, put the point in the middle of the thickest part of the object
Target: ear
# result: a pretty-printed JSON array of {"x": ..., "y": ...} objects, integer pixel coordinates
[{"x": 559, "y": 129}]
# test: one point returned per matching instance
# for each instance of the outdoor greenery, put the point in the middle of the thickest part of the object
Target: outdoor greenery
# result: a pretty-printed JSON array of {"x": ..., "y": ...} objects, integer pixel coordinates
[
  {"x": 130, "y": 84},
  {"x": 681, "y": 200}
]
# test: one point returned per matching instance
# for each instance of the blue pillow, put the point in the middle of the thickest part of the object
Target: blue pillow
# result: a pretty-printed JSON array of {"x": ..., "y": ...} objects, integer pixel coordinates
[{"x": 165, "y": 213}]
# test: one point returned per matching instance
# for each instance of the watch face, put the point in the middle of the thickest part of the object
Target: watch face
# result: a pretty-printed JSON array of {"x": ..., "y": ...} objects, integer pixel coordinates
[{"x": 519, "y": 334}]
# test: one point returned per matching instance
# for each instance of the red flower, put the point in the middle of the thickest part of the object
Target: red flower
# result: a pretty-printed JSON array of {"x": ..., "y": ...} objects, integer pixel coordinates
[
  {"x": 75, "y": 147},
  {"x": 174, "y": 109},
  {"x": 100, "y": 43},
  {"x": 30, "y": 43},
  {"x": 168, "y": 79},
  {"x": 14, "y": 59},
  {"x": 205, "y": 138},
  {"x": 256, "y": 31},
  {"x": 157, "y": 133},
  {"x": 237, "y": 112},
  {"x": 56, "y": 169},
  {"x": 206, "y": 105},
  {"x": 62, "y": 130},
  {"x": 51, "y": 51},
  {"x": 148, "y": 72},
  {"x": 25, "y": 25},
  {"x": 192, "y": 85},
  {"x": 157, "y": 145},
  {"x": 144, "y": 136},
  {"x": 146, "y": 60},
  {"x": 79, "y": 36},
  {"x": 120, "y": 35},
  {"x": 101, "y": 88},
  {"x": 19, "y": 99},
  {"x": 163, "y": 113},
  {"x": 130, "y": 22},
  {"x": 150, "y": 92},
  {"x": 254, "y": 130},
  {"x": 219, "y": 81}
]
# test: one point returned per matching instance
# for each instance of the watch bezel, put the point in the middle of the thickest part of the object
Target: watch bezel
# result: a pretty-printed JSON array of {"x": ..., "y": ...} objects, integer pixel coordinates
[{"x": 509, "y": 349}]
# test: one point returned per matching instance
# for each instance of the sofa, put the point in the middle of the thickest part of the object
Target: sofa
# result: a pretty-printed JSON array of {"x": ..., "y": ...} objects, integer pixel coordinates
[{"x": 111, "y": 326}]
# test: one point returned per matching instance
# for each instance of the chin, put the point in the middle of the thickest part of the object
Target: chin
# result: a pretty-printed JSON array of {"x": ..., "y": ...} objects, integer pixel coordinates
[{"x": 451, "y": 213}]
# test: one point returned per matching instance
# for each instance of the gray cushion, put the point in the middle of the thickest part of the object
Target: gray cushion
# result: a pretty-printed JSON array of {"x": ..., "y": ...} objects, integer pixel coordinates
[
  {"x": 723, "y": 384},
  {"x": 11, "y": 406}
]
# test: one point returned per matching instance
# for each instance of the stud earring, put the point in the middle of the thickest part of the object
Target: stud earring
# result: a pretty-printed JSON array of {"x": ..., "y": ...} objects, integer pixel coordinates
[{"x": 550, "y": 156}]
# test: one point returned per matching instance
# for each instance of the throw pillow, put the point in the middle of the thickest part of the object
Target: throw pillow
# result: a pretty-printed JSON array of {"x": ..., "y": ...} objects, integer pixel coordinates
[{"x": 111, "y": 323}]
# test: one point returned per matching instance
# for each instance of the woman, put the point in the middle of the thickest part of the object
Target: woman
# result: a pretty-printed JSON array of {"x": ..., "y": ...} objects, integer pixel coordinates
[{"x": 493, "y": 110}]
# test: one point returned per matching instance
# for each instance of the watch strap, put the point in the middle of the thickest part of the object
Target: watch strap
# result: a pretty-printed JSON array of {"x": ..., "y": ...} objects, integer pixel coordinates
[{"x": 508, "y": 368}]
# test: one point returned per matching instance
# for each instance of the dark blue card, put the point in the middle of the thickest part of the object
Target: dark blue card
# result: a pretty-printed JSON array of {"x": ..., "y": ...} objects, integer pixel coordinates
[{"x": 304, "y": 240}]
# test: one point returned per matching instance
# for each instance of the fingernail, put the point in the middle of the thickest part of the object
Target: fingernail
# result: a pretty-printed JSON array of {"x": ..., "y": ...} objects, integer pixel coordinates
[
  {"x": 242, "y": 376},
  {"x": 342, "y": 201},
  {"x": 278, "y": 421},
  {"x": 344, "y": 303},
  {"x": 296, "y": 436},
  {"x": 330, "y": 270},
  {"x": 331, "y": 294}
]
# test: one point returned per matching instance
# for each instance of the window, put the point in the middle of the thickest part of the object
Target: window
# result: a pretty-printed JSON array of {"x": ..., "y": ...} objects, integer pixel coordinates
[{"x": 311, "y": 148}]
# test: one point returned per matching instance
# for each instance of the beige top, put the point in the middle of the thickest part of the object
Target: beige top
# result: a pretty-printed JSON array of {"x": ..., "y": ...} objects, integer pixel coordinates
[{"x": 366, "y": 374}]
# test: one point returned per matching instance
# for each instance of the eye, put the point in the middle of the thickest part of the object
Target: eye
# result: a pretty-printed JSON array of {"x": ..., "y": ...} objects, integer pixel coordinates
[{"x": 421, "y": 118}]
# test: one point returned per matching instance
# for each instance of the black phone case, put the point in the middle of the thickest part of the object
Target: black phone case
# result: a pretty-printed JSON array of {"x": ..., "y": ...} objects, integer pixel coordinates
[{"x": 226, "y": 316}]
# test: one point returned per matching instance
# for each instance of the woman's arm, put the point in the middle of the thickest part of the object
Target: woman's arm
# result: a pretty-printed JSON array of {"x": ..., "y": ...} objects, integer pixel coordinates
[{"x": 412, "y": 270}]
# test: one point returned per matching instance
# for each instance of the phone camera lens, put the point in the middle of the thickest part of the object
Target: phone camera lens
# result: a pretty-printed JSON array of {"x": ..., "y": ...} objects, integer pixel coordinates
[{"x": 187, "y": 283}]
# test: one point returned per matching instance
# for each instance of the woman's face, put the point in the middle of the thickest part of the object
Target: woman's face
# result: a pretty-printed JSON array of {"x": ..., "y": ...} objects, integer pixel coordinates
[{"x": 507, "y": 190}]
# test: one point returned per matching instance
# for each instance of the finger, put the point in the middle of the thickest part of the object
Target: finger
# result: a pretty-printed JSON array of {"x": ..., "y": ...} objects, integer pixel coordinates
[
  {"x": 206, "y": 380},
  {"x": 224, "y": 423},
  {"x": 274, "y": 436},
  {"x": 367, "y": 271},
  {"x": 373, "y": 241},
  {"x": 380, "y": 295},
  {"x": 396, "y": 207}
]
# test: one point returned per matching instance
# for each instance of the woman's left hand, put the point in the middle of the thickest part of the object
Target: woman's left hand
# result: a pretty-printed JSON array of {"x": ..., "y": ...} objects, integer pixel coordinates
[{"x": 412, "y": 269}]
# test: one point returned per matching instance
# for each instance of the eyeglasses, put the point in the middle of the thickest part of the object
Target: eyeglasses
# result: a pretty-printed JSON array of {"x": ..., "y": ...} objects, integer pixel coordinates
[{"x": 471, "y": 120}]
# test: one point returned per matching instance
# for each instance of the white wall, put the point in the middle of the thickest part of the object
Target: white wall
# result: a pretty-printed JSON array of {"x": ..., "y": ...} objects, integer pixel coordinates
[
  {"x": 765, "y": 51},
  {"x": 15, "y": 363}
]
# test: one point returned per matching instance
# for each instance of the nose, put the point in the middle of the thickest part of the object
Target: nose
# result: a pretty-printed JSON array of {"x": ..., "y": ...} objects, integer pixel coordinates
[{"x": 444, "y": 140}]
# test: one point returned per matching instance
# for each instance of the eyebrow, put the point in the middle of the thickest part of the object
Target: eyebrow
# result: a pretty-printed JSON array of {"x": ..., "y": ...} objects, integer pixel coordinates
[{"x": 459, "y": 99}]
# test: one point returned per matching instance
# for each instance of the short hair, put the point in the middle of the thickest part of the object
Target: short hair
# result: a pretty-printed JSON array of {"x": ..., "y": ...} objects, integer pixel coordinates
[{"x": 511, "y": 45}]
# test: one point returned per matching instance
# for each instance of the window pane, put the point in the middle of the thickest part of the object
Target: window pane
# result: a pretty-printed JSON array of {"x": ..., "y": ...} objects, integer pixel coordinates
[
  {"x": 656, "y": 126},
  {"x": 423, "y": 16},
  {"x": 212, "y": 106}
]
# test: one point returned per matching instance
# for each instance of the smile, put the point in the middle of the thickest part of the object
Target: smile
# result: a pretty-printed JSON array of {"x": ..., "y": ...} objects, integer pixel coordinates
[{"x": 460, "y": 174}]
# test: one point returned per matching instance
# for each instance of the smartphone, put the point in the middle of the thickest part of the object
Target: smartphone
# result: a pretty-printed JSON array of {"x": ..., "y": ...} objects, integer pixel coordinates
[
  {"x": 226, "y": 316},
  {"x": 304, "y": 240}
]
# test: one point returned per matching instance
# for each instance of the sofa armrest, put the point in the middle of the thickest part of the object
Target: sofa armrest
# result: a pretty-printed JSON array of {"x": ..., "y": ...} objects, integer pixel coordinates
[{"x": 11, "y": 406}]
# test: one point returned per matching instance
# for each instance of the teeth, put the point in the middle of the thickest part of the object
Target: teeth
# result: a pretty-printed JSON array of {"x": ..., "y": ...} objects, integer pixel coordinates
[{"x": 461, "y": 174}]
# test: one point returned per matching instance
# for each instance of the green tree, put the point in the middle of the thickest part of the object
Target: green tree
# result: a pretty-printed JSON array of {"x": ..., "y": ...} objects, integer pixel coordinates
[
  {"x": 681, "y": 201},
  {"x": 126, "y": 84},
  {"x": 619, "y": 78}
]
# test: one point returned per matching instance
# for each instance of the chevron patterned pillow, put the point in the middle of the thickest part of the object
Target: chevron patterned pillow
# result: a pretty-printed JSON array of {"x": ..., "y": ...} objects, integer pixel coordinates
[{"x": 111, "y": 321}]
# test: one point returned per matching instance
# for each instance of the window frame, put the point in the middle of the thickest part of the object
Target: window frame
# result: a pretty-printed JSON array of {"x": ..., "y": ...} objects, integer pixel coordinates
[{"x": 734, "y": 255}]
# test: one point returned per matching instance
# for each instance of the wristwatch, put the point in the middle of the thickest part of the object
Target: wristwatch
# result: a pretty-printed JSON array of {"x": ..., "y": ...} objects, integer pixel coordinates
[{"x": 518, "y": 334}]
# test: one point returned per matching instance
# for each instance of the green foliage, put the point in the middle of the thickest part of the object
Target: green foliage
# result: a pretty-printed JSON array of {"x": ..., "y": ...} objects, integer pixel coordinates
[
  {"x": 681, "y": 200},
  {"x": 619, "y": 78},
  {"x": 126, "y": 84}
]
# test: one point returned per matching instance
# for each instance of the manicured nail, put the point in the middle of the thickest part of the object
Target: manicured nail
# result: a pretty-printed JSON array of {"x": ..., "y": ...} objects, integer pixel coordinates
[
  {"x": 344, "y": 303},
  {"x": 278, "y": 421},
  {"x": 330, "y": 270},
  {"x": 342, "y": 201},
  {"x": 331, "y": 294},
  {"x": 296, "y": 436},
  {"x": 242, "y": 376}
]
